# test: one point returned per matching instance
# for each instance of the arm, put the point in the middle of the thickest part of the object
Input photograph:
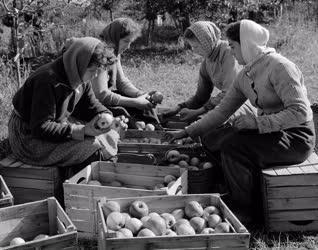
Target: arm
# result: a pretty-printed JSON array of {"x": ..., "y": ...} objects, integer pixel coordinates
[
  {"x": 233, "y": 99},
  {"x": 203, "y": 92},
  {"x": 124, "y": 85},
  {"x": 287, "y": 81}
]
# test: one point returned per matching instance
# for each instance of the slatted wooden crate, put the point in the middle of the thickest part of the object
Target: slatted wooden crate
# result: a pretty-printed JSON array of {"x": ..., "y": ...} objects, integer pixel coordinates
[
  {"x": 30, "y": 183},
  {"x": 31, "y": 219},
  {"x": 6, "y": 198},
  {"x": 139, "y": 180},
  {"x": 161, "y": 204},
  {"x": 290, "y": 195}
]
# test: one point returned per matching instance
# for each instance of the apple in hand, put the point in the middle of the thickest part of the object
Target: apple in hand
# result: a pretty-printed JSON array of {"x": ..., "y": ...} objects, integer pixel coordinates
[
  {"x": 138, "y": 209},
  {"x": 104, "y": 121},
  {"x": 156, "y": 98}
]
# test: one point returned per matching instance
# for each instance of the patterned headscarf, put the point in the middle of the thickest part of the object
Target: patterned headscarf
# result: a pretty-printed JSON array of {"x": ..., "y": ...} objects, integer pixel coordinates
[
  {"x": 76, "y": 58},
  {"x": 208, "y": 35}
]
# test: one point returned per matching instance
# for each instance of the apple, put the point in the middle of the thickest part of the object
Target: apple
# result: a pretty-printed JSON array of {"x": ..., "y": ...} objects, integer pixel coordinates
[
  {"x": 153, "y": 215},
  {"x": 116, "y": 184},
  {"x": 140, "y": 125},
  {"x": 170, "y": 232},
  {"x": 41, "y": 236},
  {"x": 198, "y": 224},
  {"x": 138, "y": 209},
  {"x": 194, "y": 161},
  {"x": 207, "y": 165},
  {"x": 185, "y": 229},
  {"x": 173, "y": 156},
  {"x": 157, "y": 225},
  {"x": 193, "y": 168},
  {"x": 170, "y": 184},
  {"x": 119, "y": 234},
  {"x": 126, "y": 216},
  {"x": 110, "y": 206},
  {"x": 104, "y": 121},
  {"x": 181, "y": 221},
  {"x": 193, "y": 209},
  {"x": 144, "y": 219},
  {"x": 115, "y": 221},
  {"x": 184, "y": 157},
  {"x": 145, "y": 233},
  {"x": 214, "y": 220},
  {"x": 126, "y": 232},
  {"x": 210, "y": 210},
  {"x": 187, "y": 140},
  {"x": 169, "y": 219},
  {"x": 134, "y": 225},
  {"x": 178, "y": 213},
  {"x": 183, "y": 164},
  {"x": 150, "y": 127},
  {"x": 156, "y": 97},
  {"x": 168, "y": 178},
  {"x": 94, "y": 182},
  {"x": 222, "y": 227},
  {"x": 17, "y": 241},
  {"x": 208, "y": 230}
]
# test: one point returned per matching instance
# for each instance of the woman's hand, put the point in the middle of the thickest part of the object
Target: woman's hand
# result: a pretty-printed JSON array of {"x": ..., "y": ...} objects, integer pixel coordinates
[
  {"x": 174, "y": 135},
  {"x": 171, "y": 112},
  {"x": 142, "y": 102},
  {"x": 244, "y": 122},
  {"x": 189, "y": 114},
  {"x": 95, "y": 127}
]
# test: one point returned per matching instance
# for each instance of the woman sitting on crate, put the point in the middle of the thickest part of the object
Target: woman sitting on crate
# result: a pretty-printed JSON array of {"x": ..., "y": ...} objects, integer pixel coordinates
[
  {"x": 40, "y": 129},
  {"x": 218, "y": 69},
  {"x": 282, "y": 133},
  {"x": 126, "y": 99}
]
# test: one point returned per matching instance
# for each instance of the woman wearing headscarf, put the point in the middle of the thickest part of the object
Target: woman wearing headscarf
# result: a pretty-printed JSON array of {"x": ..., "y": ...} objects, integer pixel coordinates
[
  {"x": 218, "y": 69},
  {"x": 40, "y": 128},
  {"x": 125, "y": 98},
  {"x": 281, "y": 133}
]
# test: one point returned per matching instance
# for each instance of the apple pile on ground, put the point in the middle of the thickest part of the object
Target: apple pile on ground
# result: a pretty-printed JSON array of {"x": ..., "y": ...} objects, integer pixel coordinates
[
  {"x": 138, "y": 221},
  {"x": 176, "y": 159},
  {"x": 167, "y": 182},
  {"x": 20, "y": 241}
]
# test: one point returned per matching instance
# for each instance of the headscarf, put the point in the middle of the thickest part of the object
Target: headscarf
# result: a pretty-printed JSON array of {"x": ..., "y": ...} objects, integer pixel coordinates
[
  {"x": 253, "y": 38},
  {"x": 77, "y": 56},
  {"x": 111, "y": 33},
  {"x": 208, "y": 35}
]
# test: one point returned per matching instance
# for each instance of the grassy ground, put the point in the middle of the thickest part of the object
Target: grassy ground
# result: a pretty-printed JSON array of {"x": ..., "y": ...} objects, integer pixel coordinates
[{"x": 174, "y": 72}]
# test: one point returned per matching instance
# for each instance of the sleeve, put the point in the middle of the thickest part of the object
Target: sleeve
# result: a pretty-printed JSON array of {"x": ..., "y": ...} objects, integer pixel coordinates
[
  {"x": 203, "y": 92},
  {"x": 124, "y": 85},
  {"x": 230, "y": 70},
  {"x": 43, "y": 114},
  {"x": 88, "y": 106},
  {"x": 287, "y": 81},
  {"x": 233, "y": 99}
]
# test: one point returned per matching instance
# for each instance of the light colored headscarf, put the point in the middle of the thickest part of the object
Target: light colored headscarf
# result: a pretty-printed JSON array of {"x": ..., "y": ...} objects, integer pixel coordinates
[
  {"x": 253, "y": 38},
  {"x": 208, "y": 35},
  {"x": 77, "y": 56}
]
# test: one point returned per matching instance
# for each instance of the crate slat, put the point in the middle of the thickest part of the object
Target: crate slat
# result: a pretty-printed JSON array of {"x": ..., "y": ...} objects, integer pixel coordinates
[
  {"x": 291, "y": 215},
  {"x": 292, "y": 204},
  {"x": 287, "y": 226},
  {"x": 292, "y": 192}
]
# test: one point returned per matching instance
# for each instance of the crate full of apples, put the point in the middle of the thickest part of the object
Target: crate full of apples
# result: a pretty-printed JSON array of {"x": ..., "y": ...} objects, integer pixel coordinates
[
  {"x": 169, "y": 222},
  {"x": 116, "y": 180}
]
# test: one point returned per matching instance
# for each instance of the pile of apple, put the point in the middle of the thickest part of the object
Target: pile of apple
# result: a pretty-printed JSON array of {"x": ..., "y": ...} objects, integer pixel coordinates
[
  {"x": 176, "y": 159},
  {"x": 20, "y": 241},
  {"x": 140, "y": 222},
  {"x": 167, "y": 182}
]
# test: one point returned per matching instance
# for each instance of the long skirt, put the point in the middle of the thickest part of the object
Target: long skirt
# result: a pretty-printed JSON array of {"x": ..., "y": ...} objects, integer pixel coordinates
[{"x": 31, "y": 150}]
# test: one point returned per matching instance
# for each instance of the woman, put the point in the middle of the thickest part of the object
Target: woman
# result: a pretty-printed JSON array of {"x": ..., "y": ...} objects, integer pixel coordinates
[
  {"x": 40, "y": 130},
  {"x": 281, "y": 133},
  {"x": 127, "y": 99},
  {"x": 218, "y": 69}
]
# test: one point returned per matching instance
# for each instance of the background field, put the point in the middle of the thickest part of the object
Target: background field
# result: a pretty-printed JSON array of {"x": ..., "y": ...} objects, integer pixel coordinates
[{"x": 172, "y": 69}]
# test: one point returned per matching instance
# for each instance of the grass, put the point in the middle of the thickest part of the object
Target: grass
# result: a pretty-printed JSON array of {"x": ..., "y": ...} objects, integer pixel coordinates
[{"x": 174, "y": 72}]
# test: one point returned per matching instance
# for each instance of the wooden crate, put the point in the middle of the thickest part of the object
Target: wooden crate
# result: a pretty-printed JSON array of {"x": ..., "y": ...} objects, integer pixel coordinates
[
  {"x": 6, "y": 198},
  {"x": 160, "y": 204},
  {"x": 80, "y": 198},
  {"x": 31, "y": 219},
  {"x": 31, "y": 183},
  {"x": 290, "y": 196}
]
